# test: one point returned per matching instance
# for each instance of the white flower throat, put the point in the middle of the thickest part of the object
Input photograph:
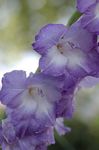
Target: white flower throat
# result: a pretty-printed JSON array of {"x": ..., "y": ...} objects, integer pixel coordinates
[
  {"x": 34, "y": 100},
  {"x": 70, "y": 53}
]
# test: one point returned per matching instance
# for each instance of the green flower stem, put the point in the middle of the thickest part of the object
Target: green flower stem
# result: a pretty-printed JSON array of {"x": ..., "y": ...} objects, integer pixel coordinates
[{"x": 74, "y": 18}]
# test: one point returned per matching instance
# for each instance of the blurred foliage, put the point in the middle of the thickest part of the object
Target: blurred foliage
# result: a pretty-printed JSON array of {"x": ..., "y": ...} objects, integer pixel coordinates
[
  {"x": 21, "y": 19},
  {"x": 82, "y": 137}
]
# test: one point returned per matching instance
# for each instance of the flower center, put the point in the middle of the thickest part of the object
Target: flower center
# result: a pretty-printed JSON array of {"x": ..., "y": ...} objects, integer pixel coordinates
[
  {"x": 34, "y": 91},
  {"x": 69, "y": 54}
]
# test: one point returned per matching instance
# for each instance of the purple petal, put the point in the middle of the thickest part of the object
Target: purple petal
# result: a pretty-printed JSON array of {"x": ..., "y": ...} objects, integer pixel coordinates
[
  {"x": 14, "y": 79},
  {"x": 12, "y": 86},
  {"x": 88, "y": 82},
  {"x": 48, "y": 36},
  {"x": 90, "y": 20},
  {"x": 82, "y": 5},
  {"x": 65, "y": 107},
  {"x": 80, "y": 37},
  {"x": 8, "y": 131},
  {"x": 60, "y": 127}
]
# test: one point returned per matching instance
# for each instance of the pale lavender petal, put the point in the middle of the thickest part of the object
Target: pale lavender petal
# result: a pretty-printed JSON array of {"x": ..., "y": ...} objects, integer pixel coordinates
[
  {"x": 52, "y": 65},
  {"x": 89, "y": 82},
  {"x": 60, "y": 127}
]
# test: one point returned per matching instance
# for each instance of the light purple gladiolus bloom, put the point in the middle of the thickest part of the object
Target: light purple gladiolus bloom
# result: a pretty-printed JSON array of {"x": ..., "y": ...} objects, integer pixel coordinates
[
  {"x": 67, "y": 50},
  {"x": 90, "y": 19},
  {"x": 35, "y": 106},
  {"x": 31, "y": 100}
]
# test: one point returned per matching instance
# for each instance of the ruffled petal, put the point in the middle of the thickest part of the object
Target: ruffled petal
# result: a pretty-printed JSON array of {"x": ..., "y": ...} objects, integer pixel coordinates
[
  {"x": 13, "y": 84},
  {"x": 60, "y": 127},
  {"x": 48, "y": 36}
]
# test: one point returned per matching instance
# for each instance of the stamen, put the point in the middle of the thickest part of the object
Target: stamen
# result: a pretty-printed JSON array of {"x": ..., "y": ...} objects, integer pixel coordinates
[
  {"x": 60, "y": 48},
  {"x": 31, "y": 91},
  {"x": 35, "y": 91}
]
